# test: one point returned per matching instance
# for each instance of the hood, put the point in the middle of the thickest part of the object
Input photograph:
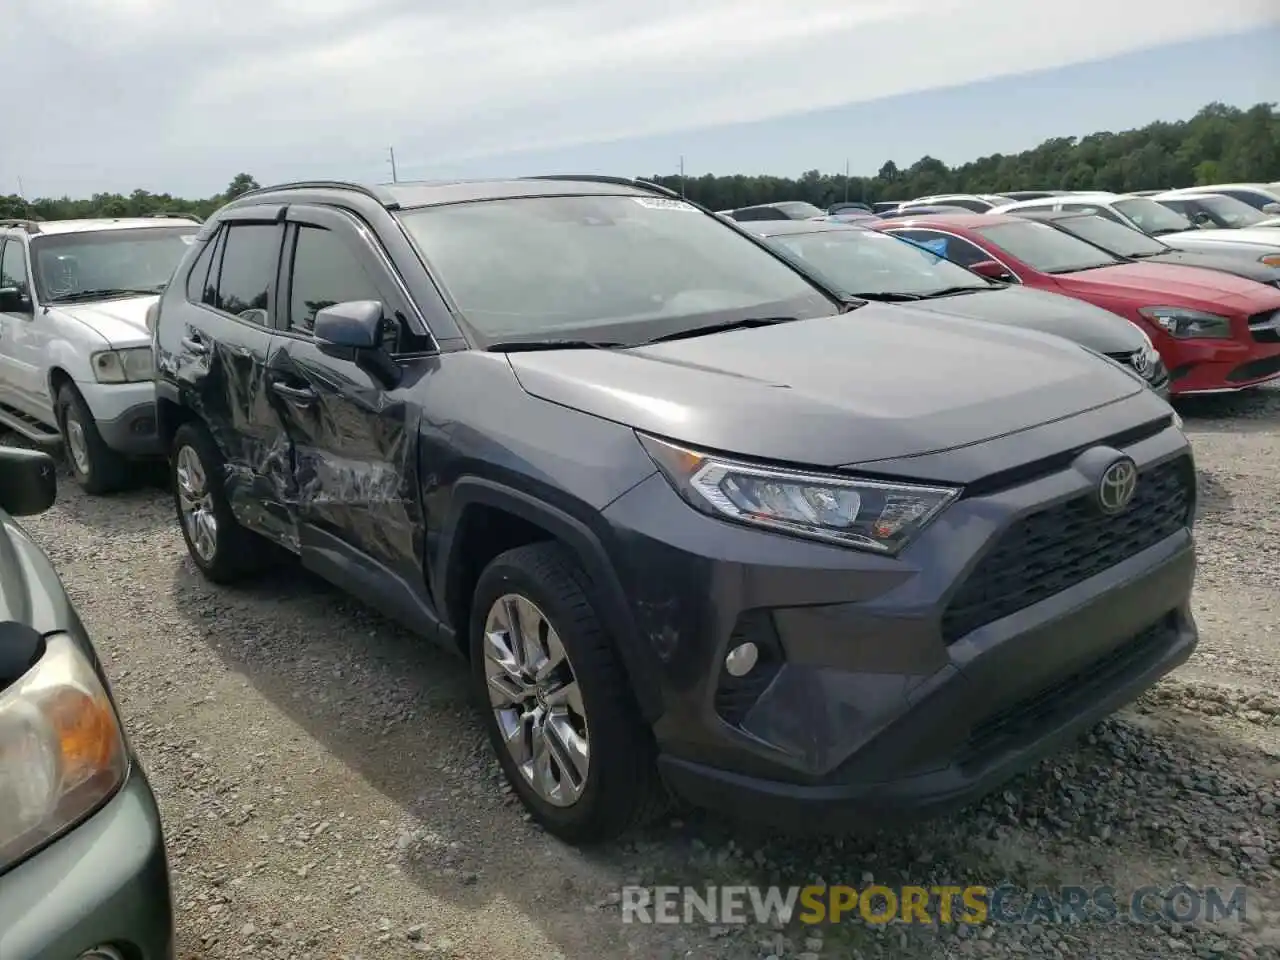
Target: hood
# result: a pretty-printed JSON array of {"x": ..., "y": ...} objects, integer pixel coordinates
[
  {"x": 1260, "y": 236},
  {"x": 1168, "y": 284},
  {"x": 883, "y": 381},
  {"x": 122, "y": 323},
  {"x": 1029, "y": 309},
  {"x": 1238, "y": 260}
]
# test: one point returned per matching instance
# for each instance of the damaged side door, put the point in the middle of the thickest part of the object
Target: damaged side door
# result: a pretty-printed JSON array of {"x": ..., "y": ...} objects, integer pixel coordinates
[
  {"x": 353, "y": 434},
  {"x": 221, "y": 360}
]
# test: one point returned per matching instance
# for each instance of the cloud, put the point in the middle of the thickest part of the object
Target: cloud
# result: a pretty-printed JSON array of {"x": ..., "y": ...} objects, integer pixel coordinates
[{"x": 184, "y": 95}]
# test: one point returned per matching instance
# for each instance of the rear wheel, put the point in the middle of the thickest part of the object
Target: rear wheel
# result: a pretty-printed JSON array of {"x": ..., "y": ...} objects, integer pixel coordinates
[
  {"x": 95, "y": 466},
  {"x": 558, "y": 706},
  {"x": 222, "y": 549}
]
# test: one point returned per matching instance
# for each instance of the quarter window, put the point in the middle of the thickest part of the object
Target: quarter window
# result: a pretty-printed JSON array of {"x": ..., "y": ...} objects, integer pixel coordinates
[
  {"x": 325, "y": 272},
  {"x": 250, "y": 256},
  {"x": 198, "y": 278},
  {"x": 13, "y": 267}
]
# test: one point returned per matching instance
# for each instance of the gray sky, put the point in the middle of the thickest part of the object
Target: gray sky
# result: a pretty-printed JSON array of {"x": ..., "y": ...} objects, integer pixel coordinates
[{"x": 181, "y": 96}]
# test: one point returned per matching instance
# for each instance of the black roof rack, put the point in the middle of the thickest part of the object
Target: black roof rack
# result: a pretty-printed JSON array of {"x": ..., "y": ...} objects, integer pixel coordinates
[
  {"x": 382, "y": 196},
  {"x": 604, "y": 178},
  {"x": 31, "y": 226}
]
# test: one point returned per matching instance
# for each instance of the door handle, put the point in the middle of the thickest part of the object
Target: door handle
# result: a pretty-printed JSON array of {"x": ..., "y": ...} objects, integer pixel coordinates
[
  {"x": 303, "y": 396},
  {"x": 194, "y": 345}
]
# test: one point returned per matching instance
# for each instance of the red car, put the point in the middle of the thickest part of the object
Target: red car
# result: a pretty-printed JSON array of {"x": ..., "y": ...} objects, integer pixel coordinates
[{"x": 1215, "y": 332}]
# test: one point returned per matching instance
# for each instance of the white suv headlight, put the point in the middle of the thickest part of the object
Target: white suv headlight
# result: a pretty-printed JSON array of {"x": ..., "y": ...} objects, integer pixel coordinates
[
  {"x": 868, "y": 514},
  {"x": 132, "y": 365},
  {"x": 61, "y": 749}
]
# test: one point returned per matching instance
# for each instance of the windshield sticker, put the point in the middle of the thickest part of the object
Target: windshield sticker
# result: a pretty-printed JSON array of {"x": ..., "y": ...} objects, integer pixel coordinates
[{"x": 661, "y": 203}]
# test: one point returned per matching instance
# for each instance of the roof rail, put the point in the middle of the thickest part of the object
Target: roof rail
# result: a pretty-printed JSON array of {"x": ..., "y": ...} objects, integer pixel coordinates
[
  {"x": 382, "y": 196},
  {"x": 176, "y": 215},
  {"x": 605, "y": 178},
  {"x": 31, "y": 226}
]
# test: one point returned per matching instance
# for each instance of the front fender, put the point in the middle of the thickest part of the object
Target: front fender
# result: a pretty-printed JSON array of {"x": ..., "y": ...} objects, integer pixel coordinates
[{"x": 608, "y": 596}]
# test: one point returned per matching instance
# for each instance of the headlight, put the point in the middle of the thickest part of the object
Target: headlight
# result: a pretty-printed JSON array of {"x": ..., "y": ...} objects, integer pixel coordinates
[
  {"x": 1271, "y": 259},
  {"x": 867, "y": 514},
  {"x": 122, "y": 366},
  {"x": 1189, "y": 324},
  {"x": 61, "y": 750}
]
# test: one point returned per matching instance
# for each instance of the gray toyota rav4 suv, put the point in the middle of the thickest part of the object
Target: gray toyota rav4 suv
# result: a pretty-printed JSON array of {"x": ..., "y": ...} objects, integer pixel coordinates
[{"x": 700, "y": 526}]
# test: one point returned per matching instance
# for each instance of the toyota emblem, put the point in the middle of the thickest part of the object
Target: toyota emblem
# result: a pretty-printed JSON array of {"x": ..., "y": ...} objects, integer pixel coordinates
[
  {"x": 1117, "y": 486},
  {"x": 1141, "y": 362}
]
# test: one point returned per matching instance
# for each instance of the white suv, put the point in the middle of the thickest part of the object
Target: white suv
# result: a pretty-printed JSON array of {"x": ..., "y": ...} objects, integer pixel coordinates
[{"x": 75, "y": 351}]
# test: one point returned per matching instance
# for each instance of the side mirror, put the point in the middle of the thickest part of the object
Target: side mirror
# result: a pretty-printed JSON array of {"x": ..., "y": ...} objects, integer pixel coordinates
[
  {"x": 28, "y": 481},
  {"x": 353, "y": 331},
  {"x": 991, "y": 270},
  {"x": 1271, "y": 208},
  {"x": 356, "y": 324},
  {"x": 13, "y": 300},
  {"x": 1201, "y": 219}
]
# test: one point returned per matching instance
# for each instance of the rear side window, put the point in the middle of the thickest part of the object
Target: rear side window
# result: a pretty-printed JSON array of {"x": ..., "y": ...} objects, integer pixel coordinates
[
  {"x": 953, "y": 248},
  {"x": 249, "y": 261},
  {"x": 325, "y": 272}
]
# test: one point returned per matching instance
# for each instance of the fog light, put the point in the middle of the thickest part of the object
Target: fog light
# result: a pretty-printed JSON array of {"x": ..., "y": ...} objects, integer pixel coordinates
[
  {"x": 741, "y": 659},
  {"x": 101, "y": 953}
]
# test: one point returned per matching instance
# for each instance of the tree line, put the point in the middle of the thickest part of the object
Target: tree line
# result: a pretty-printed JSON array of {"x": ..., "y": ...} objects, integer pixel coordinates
[{"x": 1219, "y": 144}]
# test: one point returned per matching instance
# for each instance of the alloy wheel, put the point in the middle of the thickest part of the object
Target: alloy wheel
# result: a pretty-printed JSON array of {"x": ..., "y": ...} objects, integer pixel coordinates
[
  {"x": 77, "y": 442},
  {"x": 536, "y": 700},
  {"x": 196, "y": 504}
]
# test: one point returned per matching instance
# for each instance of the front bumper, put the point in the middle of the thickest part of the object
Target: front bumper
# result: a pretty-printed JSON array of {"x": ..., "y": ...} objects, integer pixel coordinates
[
  {"x": 104, "y": 883},
  {"x": 1221, "y": 366},
  {"x": 873, "y": 705},
  {"x": 125, "y": 414}
]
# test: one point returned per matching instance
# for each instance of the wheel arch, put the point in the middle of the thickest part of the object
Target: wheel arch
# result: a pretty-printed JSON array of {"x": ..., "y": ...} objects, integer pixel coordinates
[{"x": 477, "y": 500}]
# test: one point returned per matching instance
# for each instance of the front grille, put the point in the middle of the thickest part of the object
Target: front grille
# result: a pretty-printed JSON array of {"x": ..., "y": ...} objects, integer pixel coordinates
[
  {"x": 1265, "y": 327},
  {"x": 1023, "y": 719},
  {"x": 1155, "y": 374},
  {"x": 1047, "y": 552}
]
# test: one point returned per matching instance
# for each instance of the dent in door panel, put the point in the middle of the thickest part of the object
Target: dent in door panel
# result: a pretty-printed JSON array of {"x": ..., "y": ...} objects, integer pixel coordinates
[{"x": 354, "y": 464}]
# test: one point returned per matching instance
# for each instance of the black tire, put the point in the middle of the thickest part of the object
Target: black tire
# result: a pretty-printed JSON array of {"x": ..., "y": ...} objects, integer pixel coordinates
[
  {"x": 622, "y": 789},
  {"x": 105, "y": 470},
  {"x": 236, "y": 551}
]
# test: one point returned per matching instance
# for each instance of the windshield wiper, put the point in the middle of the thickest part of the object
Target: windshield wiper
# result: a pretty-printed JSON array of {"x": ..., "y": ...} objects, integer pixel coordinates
[
  {"x": 106, "y": 292},
  {"x": 888, "y": 296},
  {"x": 529, "y": 346},
  {"x": 710, "y": 328},
  {"x": 954, "y": 291}
]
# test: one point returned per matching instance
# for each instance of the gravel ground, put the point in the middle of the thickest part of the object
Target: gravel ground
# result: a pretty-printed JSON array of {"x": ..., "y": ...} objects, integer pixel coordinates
[{"x": 328, "y": 792}]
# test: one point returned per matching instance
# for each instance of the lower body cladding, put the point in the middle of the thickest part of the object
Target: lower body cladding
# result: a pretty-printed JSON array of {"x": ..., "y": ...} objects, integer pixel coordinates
[
  {"x": 99, "y": 891},
  {"x": 881, "y": 688}
]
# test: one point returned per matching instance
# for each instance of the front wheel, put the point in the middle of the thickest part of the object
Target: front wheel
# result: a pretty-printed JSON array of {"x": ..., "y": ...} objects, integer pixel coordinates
[
  {"x": 558, "y": 707},
  {"x": 95, "y": 466}
]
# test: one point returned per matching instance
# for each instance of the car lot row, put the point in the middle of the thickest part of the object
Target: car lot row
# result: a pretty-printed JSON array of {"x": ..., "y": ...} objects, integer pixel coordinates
[{"x": 703, "y": 522}]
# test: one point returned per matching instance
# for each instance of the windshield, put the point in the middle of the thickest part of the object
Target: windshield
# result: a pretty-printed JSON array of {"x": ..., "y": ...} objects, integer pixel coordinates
[
  {"x": 865, "y": 262},
  {"x": 139, "y": 260},
  {"x": 629, "y": 267},
  {"x": 1152, "y": 217},
  {"x": 1232, "y": 212},
  {"x": 1113, "y": 237},
  {"x": 1044, "y": 248}
]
